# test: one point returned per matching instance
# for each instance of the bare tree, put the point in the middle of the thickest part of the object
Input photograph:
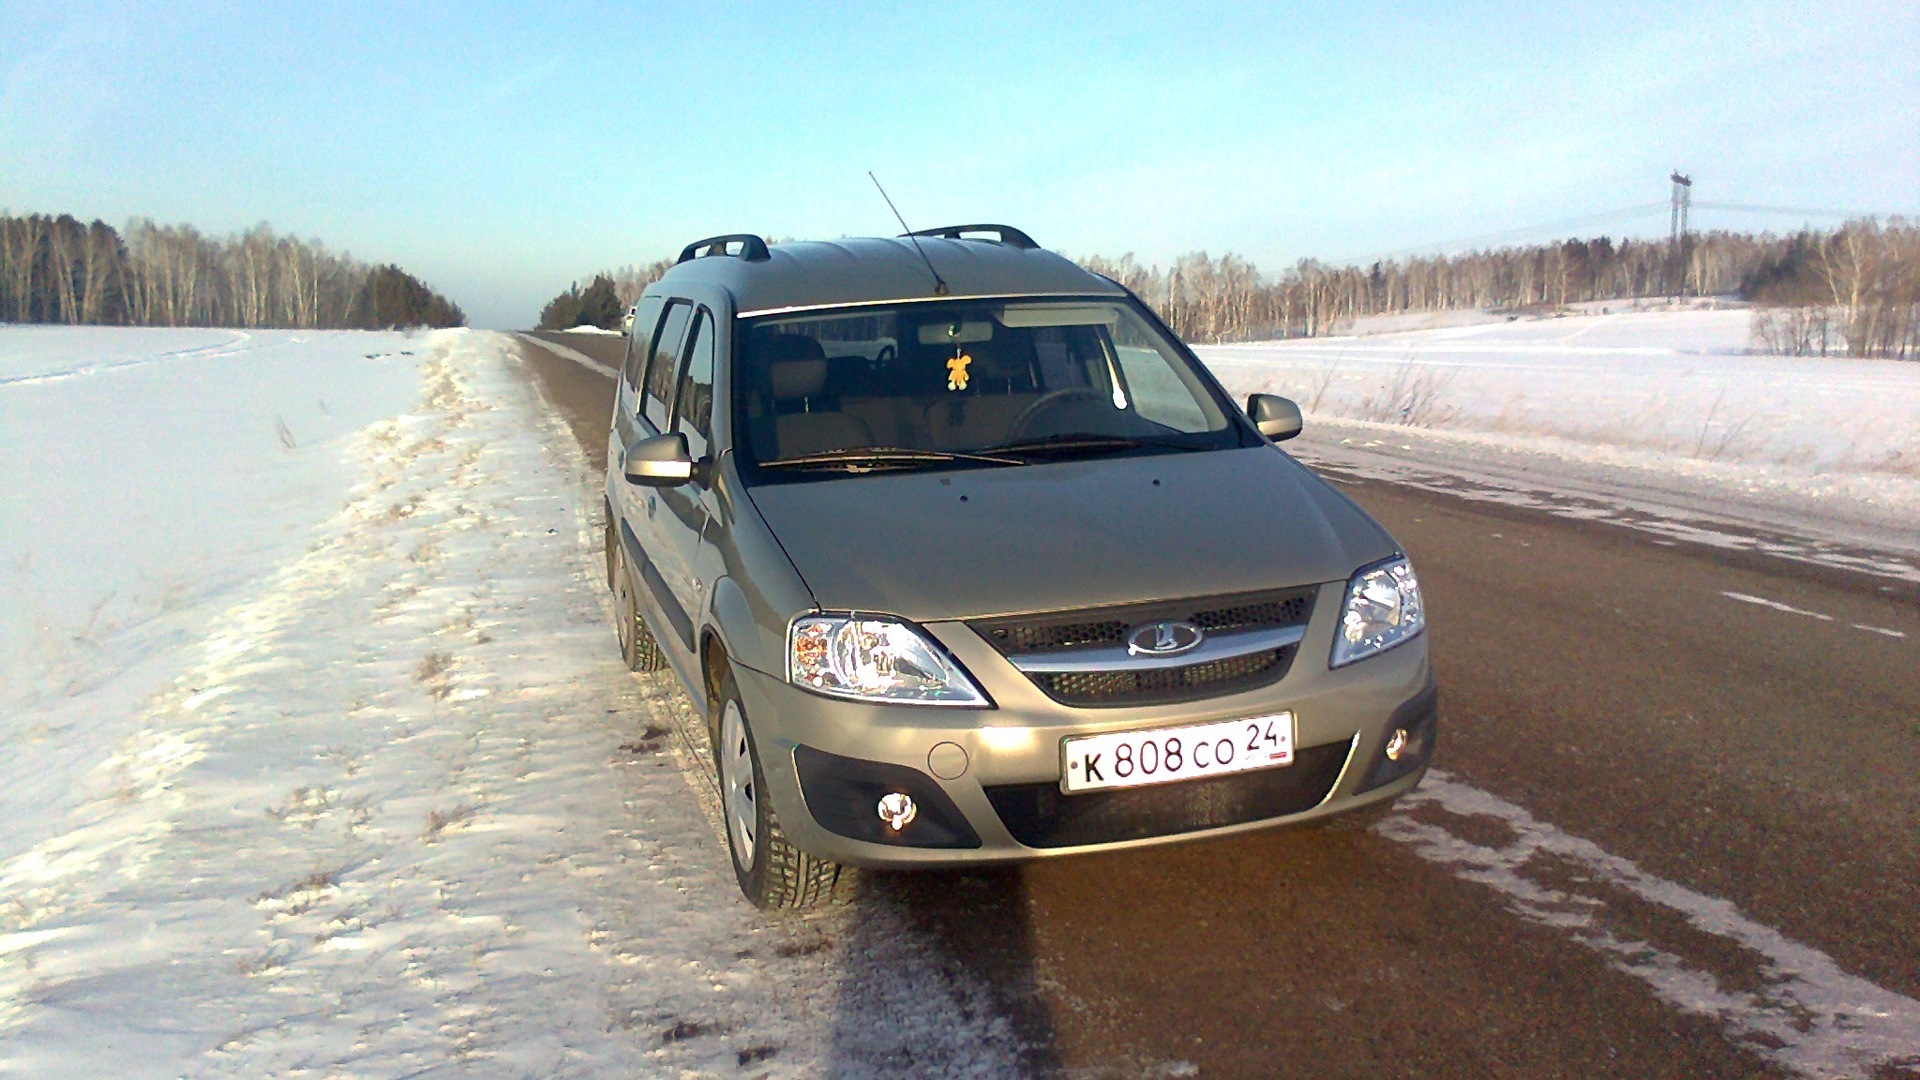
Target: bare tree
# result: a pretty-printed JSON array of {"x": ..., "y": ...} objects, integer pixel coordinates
[{"x": 23, "y": 238}]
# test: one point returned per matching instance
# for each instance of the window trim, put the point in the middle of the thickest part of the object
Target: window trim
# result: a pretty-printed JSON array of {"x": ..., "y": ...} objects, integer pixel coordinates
[
  {"x": 652, "y": 332},
  {"x": 673, "y": 387},
  {"x": 686, "y": 364}
]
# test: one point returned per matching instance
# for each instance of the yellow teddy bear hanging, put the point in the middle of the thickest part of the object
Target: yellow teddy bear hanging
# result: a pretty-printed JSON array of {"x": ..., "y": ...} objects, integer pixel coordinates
[{"x": 957, "y": 372}]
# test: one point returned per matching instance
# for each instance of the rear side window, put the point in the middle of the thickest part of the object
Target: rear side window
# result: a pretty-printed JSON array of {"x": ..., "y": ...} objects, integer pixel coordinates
[
  {"x": 695, "y": 403},
  {"x": 666, "y": 363},
  {"x": 646, "y": 319}
]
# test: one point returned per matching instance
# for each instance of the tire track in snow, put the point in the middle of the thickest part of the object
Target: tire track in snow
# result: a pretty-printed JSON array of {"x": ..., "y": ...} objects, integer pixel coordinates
[
  {"x": 232, "y": 346},
  {"x": 1785, "y": 1001}
]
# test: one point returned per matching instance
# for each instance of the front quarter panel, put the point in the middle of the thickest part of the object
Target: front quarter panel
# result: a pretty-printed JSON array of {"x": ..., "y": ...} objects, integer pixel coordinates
[{"x": 760, "y": 591}]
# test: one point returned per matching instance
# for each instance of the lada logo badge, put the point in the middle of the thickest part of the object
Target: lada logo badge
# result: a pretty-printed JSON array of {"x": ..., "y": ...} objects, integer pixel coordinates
[{"x": 1163, "y": 639}]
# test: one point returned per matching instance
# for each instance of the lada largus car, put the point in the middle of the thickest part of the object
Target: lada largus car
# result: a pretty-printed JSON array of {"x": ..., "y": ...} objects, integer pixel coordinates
[{"x": 967, "y": 559}]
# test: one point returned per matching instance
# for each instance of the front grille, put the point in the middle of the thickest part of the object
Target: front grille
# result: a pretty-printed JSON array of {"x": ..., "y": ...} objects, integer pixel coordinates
[
  {"x": 1063, "y": 634},
  {"x": 1290, "y": 610},
  {"x": 1044, "y": 637},
  {"x": 1122, "y": 686},
  {"x": 1042, "y": 816}
]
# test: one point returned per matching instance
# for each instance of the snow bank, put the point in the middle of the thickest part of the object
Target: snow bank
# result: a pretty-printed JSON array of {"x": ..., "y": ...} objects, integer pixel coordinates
[
  {"x": 391, "y": 804},
  {"x": 1671, "y": 398}
]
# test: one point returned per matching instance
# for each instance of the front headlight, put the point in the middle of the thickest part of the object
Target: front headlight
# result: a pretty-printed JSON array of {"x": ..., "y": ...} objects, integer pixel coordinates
[
  {"x": 1382, "y": 610},
  {"x": 873, "y": 659}
]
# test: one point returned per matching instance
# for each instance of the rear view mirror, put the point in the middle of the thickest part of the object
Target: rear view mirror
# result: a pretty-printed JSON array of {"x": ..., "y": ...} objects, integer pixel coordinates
[
  {"x": 1277, "y": 418},
  {"x": 956, "y": 333},
  {"x": 659, "y": 461}
]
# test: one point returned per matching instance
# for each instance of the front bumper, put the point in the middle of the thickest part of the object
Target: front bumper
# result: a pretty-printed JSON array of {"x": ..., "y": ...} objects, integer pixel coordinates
[{"x": 988, "y": 779}]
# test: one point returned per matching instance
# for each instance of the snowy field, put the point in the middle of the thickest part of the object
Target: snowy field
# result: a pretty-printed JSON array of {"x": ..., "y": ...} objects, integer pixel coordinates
[
  {"x": 152, "y": 477},
  {"x": 320, "y": 759},
  {"x": 1656, "y": 413}
]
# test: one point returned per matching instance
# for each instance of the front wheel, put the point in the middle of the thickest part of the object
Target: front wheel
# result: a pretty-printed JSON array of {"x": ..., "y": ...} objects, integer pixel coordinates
[{"x": 772, "y": 872}]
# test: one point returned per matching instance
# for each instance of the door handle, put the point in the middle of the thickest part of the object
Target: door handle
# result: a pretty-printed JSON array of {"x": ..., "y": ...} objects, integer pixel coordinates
[{"x": 653, "y": 504}]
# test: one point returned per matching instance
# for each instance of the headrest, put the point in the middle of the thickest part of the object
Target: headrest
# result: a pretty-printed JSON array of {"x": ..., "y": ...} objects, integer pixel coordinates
[
  {"x": 794, "y": 347},
  {"x": 797, "y": 378}
]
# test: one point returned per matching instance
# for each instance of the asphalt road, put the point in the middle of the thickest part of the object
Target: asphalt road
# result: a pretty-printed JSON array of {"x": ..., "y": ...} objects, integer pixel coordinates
[{"x": 1675, "y": 833}]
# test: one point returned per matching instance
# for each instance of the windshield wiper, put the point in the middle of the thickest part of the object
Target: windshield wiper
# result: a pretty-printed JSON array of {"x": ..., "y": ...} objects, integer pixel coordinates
[
  {"x": 868, "y": 458},
  {"x": 1082, "y": 443}
]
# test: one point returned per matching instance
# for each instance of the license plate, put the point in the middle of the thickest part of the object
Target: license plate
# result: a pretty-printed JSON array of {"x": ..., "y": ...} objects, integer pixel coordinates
[{"x": 1134, "y": 758}]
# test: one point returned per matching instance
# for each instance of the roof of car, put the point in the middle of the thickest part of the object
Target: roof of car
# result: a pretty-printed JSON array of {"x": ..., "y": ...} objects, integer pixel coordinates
[{"x": 866, "y": 270}]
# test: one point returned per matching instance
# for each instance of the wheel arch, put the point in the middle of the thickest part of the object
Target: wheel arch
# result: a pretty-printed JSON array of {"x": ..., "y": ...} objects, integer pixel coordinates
[{"x": 715, "y": 663}]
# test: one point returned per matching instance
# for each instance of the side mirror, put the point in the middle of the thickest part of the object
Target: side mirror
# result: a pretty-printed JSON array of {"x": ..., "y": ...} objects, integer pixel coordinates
[
  {"x": 1277, "y": 418},
  {"x": 659, "y": 461}
]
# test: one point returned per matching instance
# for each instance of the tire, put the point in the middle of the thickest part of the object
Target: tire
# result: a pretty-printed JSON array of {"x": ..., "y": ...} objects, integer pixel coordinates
[
  {"x": 637, "y": 645},
  {"x": 773, "y": 874}
]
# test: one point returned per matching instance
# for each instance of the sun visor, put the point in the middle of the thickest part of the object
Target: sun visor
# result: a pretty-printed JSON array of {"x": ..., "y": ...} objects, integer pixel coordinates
[{"x": 1028, "y": 315}]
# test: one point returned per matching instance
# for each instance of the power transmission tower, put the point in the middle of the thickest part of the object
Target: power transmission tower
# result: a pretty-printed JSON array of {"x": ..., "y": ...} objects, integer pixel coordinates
[
  {"x": 1682, "y": 198},
  {"x": 1677, "y": 229}
]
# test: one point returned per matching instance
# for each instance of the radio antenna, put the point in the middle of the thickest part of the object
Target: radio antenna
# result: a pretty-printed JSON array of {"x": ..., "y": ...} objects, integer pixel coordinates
[{"x": 939, "y": 286}]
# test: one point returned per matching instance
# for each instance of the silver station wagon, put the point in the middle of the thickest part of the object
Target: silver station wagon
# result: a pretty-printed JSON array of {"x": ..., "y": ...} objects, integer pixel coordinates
[{"x": 969, "y": 560}]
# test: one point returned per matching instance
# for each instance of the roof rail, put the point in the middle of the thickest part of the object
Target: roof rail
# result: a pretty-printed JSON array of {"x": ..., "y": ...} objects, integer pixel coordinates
[
  {"x": 1006, "y": 234},
  {"x": 752, "y": 248}
]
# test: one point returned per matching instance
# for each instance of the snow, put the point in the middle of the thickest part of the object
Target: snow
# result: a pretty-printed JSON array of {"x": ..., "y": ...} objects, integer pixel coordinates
[
  {"x": 152, "y": 473},
  {"x": 588, "y": 328},
  {"x": 1651, "y": 414},
  {"x": 366, "y": 790}
]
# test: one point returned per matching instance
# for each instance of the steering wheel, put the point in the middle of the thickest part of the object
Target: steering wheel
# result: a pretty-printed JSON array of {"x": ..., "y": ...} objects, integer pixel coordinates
[
  {"x": 885, "y": 355},
  {"x": 1052, "y": 399}
]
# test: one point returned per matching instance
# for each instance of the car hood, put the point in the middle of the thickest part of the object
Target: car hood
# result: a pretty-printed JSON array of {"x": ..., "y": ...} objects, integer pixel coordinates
[{"x": 1064, "y": 535}]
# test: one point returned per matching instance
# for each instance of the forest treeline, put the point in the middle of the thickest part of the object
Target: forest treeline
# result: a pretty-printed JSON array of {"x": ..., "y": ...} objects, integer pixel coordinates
[
  {"x": 1853, "y": 291},
  {"x": 605, "y": 299},
  {"x": 61, "y": 270},
  {"x": 1859, "y": 282},
  {"x": 1229, "y": 299}
]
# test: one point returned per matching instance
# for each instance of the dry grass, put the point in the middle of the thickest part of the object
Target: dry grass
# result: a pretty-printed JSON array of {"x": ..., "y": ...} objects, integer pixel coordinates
[
  {"x": 1323, "y": 381},
  {"x": 1412, "y": 396},
  {"x": 1712, "y": 444},
  {"x": 302, "y": 892},
  {"x": 438, "y": 822}
]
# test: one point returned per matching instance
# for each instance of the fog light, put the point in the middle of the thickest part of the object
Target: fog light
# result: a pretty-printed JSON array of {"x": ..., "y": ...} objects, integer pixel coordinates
[
  {"x": 1396, "y": 744},
  {"x": 897, "y": 810}
]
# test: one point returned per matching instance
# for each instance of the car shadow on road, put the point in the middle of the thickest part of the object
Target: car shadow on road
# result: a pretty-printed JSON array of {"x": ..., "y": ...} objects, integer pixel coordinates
[{"x": 969, "y": 936}]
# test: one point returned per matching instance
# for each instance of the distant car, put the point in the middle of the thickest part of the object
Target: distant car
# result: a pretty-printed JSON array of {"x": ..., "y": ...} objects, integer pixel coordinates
[
  {"x": 966, "y": 559},
  {"x": 626, "y": 321}
]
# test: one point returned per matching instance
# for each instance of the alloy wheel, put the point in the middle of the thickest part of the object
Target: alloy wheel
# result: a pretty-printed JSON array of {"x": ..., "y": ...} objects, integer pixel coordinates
[{"x": 736, "y": 781}]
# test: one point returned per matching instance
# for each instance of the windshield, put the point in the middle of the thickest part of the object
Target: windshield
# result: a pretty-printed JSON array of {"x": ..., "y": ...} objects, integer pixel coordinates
[{"x": 966, "y": 384}]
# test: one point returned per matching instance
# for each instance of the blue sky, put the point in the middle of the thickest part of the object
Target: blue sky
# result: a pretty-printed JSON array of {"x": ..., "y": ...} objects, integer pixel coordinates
[{"x": 500, "y": 151}]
